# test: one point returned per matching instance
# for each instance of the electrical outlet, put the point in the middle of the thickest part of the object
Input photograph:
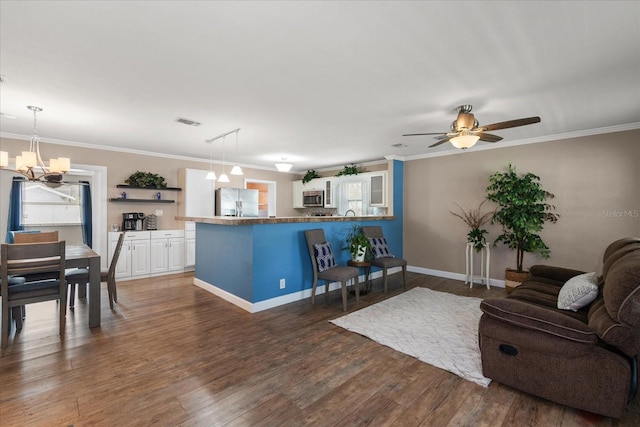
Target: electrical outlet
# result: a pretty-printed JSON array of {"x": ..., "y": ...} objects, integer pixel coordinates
[
  {"x": 159, "y": 212},
  {"x": 281, "y": 283}
]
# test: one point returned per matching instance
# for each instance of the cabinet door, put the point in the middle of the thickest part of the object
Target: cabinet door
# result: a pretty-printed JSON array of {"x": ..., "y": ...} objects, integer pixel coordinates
[
  {"x": 158, "y": 262},
  {"x": 175, "y": 260},
  {"x": 377, "y": 190},
  {"x": 298, "y": 188},
  {"x": 140, "y": 257},
  {"x": 123, "y": 267},
  {"x": 329, "y": 194},
  {"x": 190, "y": 252}
]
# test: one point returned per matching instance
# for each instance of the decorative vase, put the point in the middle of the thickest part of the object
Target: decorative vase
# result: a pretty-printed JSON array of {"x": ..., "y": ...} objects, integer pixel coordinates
[
  {"x": 359, "y": 254},
  {"x": 513, "y": 279}
]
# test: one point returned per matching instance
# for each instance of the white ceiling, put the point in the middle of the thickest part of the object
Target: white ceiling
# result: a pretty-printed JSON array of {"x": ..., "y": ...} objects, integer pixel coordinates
[{"x": 319, "y": 83}]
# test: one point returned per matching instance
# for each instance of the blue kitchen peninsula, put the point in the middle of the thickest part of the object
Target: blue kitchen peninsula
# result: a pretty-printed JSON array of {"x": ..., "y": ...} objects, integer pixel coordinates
[{"x": 244, "y": 259}]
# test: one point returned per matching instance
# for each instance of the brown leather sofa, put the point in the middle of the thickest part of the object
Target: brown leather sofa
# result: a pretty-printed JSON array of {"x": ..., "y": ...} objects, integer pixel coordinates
[{"x": 585, "y": 359}]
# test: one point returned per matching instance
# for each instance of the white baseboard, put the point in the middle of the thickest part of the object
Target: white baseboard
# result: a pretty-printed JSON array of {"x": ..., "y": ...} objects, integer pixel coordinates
[
  {"x": 306, "y": 293},
  {"x": 455, "y": 276}
]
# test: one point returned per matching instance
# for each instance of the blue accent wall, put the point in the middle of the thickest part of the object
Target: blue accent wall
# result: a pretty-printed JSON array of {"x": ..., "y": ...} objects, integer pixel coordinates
[{"x": 249, "y": 260}]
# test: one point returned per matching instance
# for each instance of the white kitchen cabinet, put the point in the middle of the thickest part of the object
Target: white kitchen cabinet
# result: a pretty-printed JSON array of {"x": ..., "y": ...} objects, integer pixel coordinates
[
  {"x": 198, "y": 196},
  {"x": 189, "y": 244},
  {"x": 330, "y": 193},
  {"x": 167, "y": 251},
  {"x": 134, "y": 256},
  {"x": 140, "y": 257},
  {"x": 377, "y": 189},
  {"x": 298, "y": 189},
  {"x": 146, "y": 253}
]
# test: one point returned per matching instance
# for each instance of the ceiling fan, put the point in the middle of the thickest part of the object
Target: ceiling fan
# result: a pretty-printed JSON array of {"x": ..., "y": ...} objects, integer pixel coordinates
[{"x": 466, "y": 131}]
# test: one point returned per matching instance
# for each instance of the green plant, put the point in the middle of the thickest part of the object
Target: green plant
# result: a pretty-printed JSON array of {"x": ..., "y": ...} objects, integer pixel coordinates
[
  {"x": 311, "y": 174},
  {"x": 146, "y": 180},
  {"x": 475, "y": 219},
  {"x": 355, "y": 240},
  {"x": 522, "y": 212},
  {"x": 351, "y": 169}
]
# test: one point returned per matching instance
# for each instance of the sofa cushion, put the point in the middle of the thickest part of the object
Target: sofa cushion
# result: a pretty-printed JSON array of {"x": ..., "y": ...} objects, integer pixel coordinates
[
  {"x": 578, "y": 292},
  {"x": 529, "y": 316}
]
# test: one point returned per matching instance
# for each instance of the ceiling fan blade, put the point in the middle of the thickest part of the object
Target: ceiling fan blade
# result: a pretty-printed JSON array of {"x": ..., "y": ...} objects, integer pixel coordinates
[
  {"x": 420, "y": 134},
  {"x": 511, "y": 124},
  {"x": 440, "y": 142},
  {"x": 489, "y": 137}
]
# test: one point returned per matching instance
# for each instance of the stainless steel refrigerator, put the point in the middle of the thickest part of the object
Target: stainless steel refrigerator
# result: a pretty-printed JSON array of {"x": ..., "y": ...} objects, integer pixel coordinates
[{"x": 236, "y": 202}]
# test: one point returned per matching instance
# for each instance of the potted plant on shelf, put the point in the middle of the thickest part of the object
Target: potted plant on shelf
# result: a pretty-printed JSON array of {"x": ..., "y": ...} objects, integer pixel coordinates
[
  {"x": 146, "y": 180},
  {"x": 475, "y": 219},
  {"x": 522, "y": 211},
  {"x": 357, "y": 244},
  {"x": 351, "y": 169}
]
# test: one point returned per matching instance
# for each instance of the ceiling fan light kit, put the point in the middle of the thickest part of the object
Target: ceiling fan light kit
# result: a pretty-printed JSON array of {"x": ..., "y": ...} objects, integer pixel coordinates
[
  {"x": 466, "y": 131},
  {"x": 464, "y": 140}
]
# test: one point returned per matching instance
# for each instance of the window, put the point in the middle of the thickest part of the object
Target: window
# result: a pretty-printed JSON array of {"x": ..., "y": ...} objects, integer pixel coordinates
[
  {"x": 43, "y": 205},
  {"x": 353, "y": 195}
]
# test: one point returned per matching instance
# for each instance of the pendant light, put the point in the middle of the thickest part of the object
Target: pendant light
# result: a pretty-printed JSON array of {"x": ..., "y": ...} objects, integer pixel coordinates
[
  {"x": 223, "y": 176},
  {"x": 211, "y": 175},
  {"x": 236, "y": 170}
]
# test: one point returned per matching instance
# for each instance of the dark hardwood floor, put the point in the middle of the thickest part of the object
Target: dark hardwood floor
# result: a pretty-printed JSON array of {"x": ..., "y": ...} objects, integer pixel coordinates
[{"x": 173, "y": 354}]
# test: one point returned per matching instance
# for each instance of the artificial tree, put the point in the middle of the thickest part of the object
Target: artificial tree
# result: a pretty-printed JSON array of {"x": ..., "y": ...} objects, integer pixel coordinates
[{"x": 522, "y": 212}]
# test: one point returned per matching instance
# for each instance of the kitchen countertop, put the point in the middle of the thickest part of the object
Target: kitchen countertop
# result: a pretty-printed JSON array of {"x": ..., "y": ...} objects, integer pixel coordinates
[{"x": 232, "y": 220}]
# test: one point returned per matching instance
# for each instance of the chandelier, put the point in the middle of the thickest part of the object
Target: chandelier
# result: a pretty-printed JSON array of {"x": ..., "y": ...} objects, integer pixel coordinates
[{"x": 30, "y": 163}]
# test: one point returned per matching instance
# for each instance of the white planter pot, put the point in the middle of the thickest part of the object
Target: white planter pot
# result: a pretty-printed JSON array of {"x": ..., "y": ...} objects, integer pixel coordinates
[{"x": 359, "y": 255}]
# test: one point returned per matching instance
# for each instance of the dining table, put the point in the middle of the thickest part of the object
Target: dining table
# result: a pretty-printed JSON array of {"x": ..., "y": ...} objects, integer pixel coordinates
[{"x": 82, "y": 256}]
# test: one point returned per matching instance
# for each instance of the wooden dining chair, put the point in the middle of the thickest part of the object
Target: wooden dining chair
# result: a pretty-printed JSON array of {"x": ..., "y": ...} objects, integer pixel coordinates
[
  {"x": 47, "y": 236},
  {"x": 382, "y": 258},
  {"x": 46, "y": 260},
  {"x": 20, "y": 313},
  {"x": 80, "y": 277},
  {"x": 324, "y": 267}
]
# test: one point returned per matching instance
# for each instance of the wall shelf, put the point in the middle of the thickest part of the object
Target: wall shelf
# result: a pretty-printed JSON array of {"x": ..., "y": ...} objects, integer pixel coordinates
[
  {"x": 149, "y": 188},
  {"x": 121, "y": 200}
]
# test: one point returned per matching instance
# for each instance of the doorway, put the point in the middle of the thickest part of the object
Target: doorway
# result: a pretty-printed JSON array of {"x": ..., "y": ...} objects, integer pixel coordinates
[{"x": 266, "y": 196}]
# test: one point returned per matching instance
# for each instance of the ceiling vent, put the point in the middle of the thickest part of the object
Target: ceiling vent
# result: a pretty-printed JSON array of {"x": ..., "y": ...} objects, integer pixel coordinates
[{"x": 187, "y": 122}]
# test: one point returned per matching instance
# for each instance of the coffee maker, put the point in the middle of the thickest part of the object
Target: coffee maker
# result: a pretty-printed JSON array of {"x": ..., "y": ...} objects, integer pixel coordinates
[{"x": 132, "y": 221}]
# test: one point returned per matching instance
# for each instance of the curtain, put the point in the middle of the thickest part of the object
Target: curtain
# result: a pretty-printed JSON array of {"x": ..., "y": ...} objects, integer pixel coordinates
[
  {"x": 86, "y": 214},
  {"x": 14, "y": 218}
]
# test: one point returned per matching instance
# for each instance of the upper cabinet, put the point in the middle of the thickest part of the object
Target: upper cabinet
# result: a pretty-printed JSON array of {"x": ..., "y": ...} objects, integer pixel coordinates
[
  {"x": 298, "y": 188},
  {"x": 376, "y": 184},
  {"x": 377, "y": 189},
  {"x": 198, "y": 197}
]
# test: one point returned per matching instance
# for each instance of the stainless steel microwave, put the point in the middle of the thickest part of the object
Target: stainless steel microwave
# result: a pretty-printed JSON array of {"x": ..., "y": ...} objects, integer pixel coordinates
[{"x": 313, "y": 199}]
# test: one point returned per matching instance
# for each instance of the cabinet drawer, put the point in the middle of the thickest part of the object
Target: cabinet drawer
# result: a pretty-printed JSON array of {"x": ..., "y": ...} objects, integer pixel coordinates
[{"x": 165, "y": 234}]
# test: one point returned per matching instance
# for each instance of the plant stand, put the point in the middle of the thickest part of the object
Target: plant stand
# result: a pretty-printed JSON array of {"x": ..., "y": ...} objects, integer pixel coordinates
[
  {"x": 365, "y": 287},
  {"x": 485, "y": 255}
]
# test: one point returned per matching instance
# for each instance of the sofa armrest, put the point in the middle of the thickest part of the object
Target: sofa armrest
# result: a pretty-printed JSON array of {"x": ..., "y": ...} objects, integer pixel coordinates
[
  {"x": 552, "y": 274},
  {"x": 538, "y": 318}
]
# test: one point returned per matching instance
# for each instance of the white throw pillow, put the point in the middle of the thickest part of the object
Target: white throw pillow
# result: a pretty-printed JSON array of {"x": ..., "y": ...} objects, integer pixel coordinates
[{"x": 578, "y": 292}]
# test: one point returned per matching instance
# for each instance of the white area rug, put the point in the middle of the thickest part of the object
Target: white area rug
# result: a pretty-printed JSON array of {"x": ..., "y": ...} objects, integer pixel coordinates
[{"x": 438, "y": 328}]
